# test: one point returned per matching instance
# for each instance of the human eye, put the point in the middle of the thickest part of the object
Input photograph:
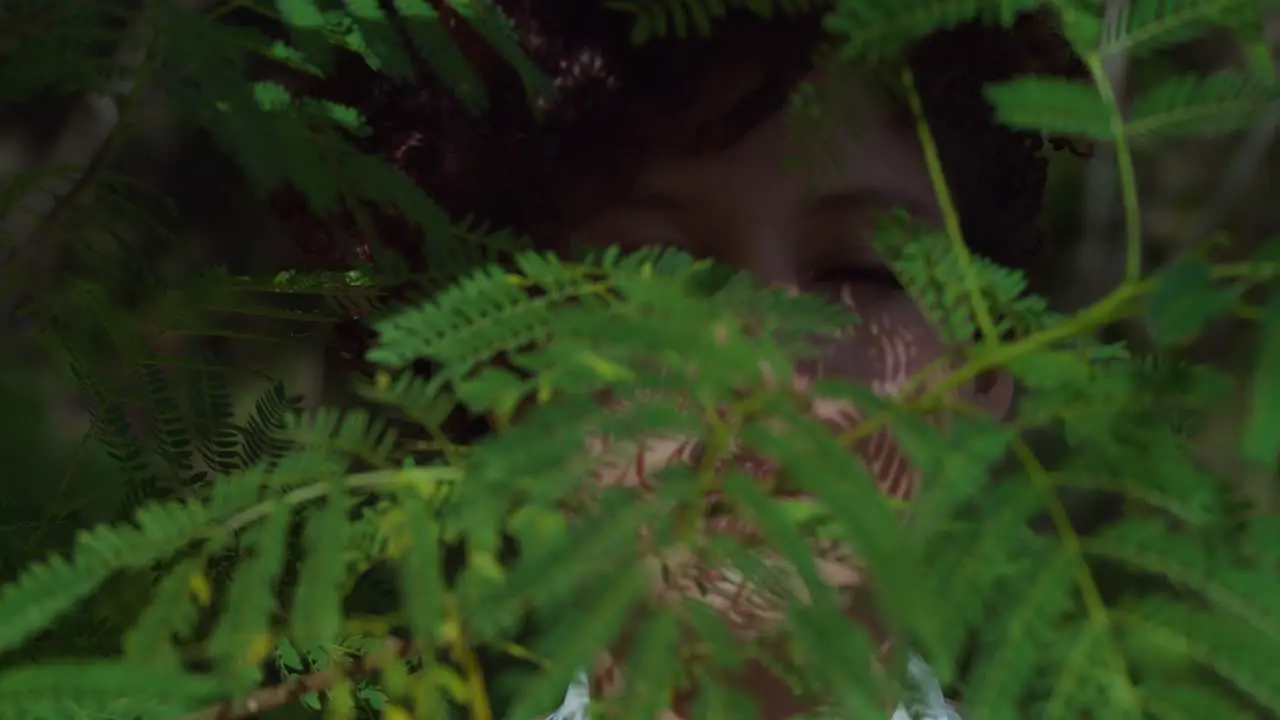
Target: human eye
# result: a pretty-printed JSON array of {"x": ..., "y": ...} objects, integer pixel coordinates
[{"x": 856, "y": 273}]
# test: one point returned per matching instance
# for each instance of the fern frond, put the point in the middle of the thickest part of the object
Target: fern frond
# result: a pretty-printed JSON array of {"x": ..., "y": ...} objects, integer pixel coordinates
[
  {"x": 1226, "y": 584},
  {"x": 63, "y": 54},
  {"x": 262, "y": 435},
  {"x": 1261, "y": 441},
  {"x": 484, "y": 314},
  {"x": 418, "y": 546},
  {"x": 575, "y": 638},
  {"x": 878, "y": 30},
  {"x": 213, "y": 409},
  {"x": 651, "y": 676},
  {"x": 434, "y": 42},
  {"x": 45, "y": 591},
  {"x": 352, "y": 433},
  {"x": 1170, "y": 701},
  {"x": 41, "y": 594},
  {"x": 346, "y": 294},
  {"x": 1232, "y": 650},
  {"x": 243, "y": 638},
  {"x": 1053, "y": 105},
  {"x": 103, "y": 689},
  {"x": 112, "y": 428},
  {"x": 1145, "y": 26},
  {"x": 928, "y": 267},
  {"x": 972, "y": 570},
  {"x": 491, "y": 23},
  {"x": 173, "y": 438},
  {"x": 367, "y": 31},
  {"x": 859, "y": 513},
  {"x": 173, "y": 612},
  {"x": 655, "y": 19},
  {"x": 316, "y": 613},
  {"x": 1016, "y": 636},
  {"x": 1200, "y": 106}
]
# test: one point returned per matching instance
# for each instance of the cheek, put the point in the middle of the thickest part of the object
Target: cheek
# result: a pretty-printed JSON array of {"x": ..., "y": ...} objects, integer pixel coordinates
[{"x": 892, "y": 342}]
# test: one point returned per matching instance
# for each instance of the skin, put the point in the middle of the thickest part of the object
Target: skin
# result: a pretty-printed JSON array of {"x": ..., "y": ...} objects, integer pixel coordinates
[{"x": 809, "y": 229}]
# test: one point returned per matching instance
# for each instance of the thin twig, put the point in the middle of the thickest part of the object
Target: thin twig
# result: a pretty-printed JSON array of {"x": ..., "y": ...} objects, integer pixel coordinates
[
  {"x": 1240, "y": 174},
  {"x": 275, "y": 696},
  {"x": 1093, "y": 268}
]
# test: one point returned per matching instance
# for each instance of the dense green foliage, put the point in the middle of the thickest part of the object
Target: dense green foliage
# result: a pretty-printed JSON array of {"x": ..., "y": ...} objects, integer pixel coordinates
[{"x": 243, "y": 540}]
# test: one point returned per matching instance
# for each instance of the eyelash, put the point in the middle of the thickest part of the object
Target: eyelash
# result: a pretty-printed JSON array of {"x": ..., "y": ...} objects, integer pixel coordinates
[{"x": 874, "y": 275}]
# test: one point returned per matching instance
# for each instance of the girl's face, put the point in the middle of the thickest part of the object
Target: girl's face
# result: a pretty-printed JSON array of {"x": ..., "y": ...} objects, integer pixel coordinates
[{"x": 808, "y": 228}]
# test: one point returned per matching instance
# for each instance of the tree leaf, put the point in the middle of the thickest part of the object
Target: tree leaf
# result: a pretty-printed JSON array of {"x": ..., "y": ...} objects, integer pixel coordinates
[
  {"x": 1054, "y": 105},
  {"x": 1201, "y": 105},
  {"x": 1185, "y": 299},
  {"x": 1261, "y": 440}
]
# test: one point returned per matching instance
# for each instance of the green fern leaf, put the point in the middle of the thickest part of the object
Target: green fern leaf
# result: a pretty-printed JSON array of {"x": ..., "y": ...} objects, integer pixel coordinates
[
  {"x": 421, "y": 570},
  {"x": 102, "y": 689},
  {"x": 62, "y": 56},
  {"x": 484, "y": 314},
  {"x": 651, "y": 676},
  {"x": 1144, "y": 26},
  {"x": 1200, "y": 106},
  {"x": 492, "y": 24},
  {"x": 173, "y": 612},
  {"x": 1256, "y": 46},
  {"x": 1015, "y": 637},
  {"x": 1261, "y": 441},
  {"x": 1083, "y": 682},
  {"x": 435, "y": 44},
  {"x": 43, "y": 592},
  {"x": 242, "y": 638},
  {"x": 852, "y": 695},
  {"x": 217, "y": 436},
  {"x": 1234, "y": 651},
  {"x": 884, "y": 29},
  {"x": 1185, "y": 298},
  {"x": 550, "y": 576},
  {"x": 378, "y": 41},
  {"x": 1149, "y": 546},
  {"x": 301, "y": 13},
  {"x": 173, "y": 437},
  {"x": 814, "y": 460},
  {"x": 351, "y": 433},
  {"x": 262, "y": 436},
  {"x": 1053, "y": 105},
  {"x": 316, "y": 617},
  {"x": 112, "y": 428},
  {"x": 577, "y": 638},
  {"x": 1167, "y": 701}
]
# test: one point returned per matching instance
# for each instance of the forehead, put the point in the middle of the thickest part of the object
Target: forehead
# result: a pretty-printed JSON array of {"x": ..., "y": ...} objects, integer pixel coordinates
[{"x": 858, "y": 143}]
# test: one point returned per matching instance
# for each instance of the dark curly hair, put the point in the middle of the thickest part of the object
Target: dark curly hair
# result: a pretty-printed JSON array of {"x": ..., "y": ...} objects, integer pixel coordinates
[{"x": 617, "y": 102}]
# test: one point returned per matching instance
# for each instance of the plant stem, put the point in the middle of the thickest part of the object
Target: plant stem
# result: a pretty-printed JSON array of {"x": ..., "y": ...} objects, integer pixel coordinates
[
  {"x": 1095, "y": 606},
  {"x": 1124, "y": 164},
  {"x": 950, "y": 216},
  {"x": 425, "y": 479}
]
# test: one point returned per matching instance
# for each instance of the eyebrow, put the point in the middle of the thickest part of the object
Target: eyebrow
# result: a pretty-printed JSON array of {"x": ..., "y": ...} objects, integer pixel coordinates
[
  {"x": 656, "y": 201},
  {"x": 863, "y": 199},
  {"x": 840, "y": 201}
]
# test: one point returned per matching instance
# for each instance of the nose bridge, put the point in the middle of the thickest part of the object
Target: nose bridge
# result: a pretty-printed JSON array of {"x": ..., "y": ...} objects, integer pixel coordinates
[{"x": 769, "y": 255}]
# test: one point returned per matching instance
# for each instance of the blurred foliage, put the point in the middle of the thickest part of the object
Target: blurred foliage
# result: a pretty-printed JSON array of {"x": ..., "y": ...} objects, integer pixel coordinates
[{"x": 265, "y": 545}]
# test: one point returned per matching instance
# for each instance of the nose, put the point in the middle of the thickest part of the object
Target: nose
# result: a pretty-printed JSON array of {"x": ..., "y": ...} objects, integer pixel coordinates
[{"x": 771, "y": 257}]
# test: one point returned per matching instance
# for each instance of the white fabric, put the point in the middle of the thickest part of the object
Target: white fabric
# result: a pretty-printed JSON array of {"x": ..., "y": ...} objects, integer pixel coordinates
[{"x": 928, "y": 705}]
